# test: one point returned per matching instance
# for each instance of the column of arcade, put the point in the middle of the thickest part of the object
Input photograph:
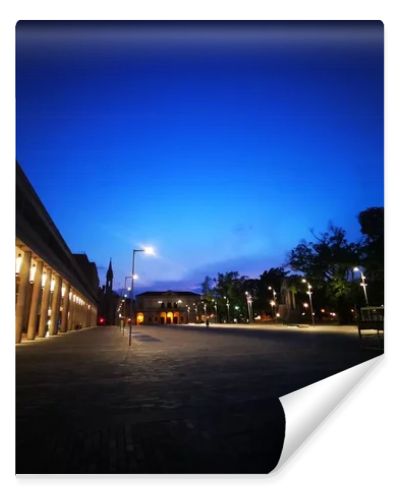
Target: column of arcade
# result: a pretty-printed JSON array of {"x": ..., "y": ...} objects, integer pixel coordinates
[{"x": 46, "y": 303}]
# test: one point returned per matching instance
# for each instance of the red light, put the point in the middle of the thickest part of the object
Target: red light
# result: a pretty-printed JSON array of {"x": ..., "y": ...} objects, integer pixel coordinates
[{"x": 101, "y": 320}]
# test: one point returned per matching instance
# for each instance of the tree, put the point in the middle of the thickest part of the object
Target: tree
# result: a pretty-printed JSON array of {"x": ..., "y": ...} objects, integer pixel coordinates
[
  {"x": 372, "y": 251},
  {"x": 230, "y": 288},
  {"x": 207, "y": 288},
  {"x": 328, "y": 263},
  {"x": 273, "y": 278}
]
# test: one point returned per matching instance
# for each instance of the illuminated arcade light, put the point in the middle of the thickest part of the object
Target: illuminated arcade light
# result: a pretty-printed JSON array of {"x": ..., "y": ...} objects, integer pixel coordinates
[
  {"x": 32, "y": 273},
  {"x": 18, "y": 263},
  {"x": 44, "y": 277},
  {"x": 63, "y": 291},
  {"x": 52, "y": 284}
]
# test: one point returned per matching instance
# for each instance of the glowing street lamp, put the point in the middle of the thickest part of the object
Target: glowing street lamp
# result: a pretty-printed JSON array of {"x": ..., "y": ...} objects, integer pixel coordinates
[
  {"x": 273, "y": 292},
  {"x": 309, "y": 293},
  {"x": 363, "y": 284}
]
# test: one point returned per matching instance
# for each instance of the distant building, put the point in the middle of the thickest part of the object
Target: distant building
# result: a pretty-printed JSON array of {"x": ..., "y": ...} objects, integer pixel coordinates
[
  {"x": 89, "y": 272},
  {"x": 169, "y": 307},
  {"x": 55, "y": 292}
]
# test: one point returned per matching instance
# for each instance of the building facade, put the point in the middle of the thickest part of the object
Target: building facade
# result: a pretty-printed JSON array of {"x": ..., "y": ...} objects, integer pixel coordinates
[
  {"x": 54, "y": 293},
  {"x": 169, "y": 307}
]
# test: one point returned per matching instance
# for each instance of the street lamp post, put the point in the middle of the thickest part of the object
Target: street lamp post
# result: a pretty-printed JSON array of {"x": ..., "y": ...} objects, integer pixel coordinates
[
  {"x": 309, "y": 293},
  {"x": 126, "y": 290},
  {"x": 216, "y": 310},
  {"x": 150, "y": 251},
  {"x": 273, "y": 301},
  {"x": 363, "y": 284},
  {"x": 249, "y": 301},
  {"x": 227, "y": 308}
]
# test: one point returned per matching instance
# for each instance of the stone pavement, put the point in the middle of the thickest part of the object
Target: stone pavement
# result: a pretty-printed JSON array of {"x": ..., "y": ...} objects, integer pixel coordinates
[{"x": 180, "y": 399}]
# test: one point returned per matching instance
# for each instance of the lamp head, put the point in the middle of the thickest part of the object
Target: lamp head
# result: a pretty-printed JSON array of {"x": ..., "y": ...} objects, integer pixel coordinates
[{"x": 149, "y": 250}]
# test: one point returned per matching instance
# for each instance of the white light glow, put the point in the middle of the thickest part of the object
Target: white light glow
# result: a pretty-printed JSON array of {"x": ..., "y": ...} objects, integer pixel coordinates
[
  {"x": 44, "y": 277},
  {"x": 32, "y": 273},
  {"x": 149, "y": 250},
  {"x": 18, "y": 263}
]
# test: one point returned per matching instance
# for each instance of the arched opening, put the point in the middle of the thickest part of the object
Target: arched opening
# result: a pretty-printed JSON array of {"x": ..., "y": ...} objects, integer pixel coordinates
[
  {"x": 163, "y": 317},
  {"x": 139, "y": 318},
  {"x": 170, "y": 318}
]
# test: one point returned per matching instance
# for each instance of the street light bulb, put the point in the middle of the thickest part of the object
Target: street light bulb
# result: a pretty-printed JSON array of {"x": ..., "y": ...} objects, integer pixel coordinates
[
  {"x": 355, "y": 269},
  {"x": 304, "y": 280},
  {"x": 149, "y": 250},
  {"x": 135, "y": 277}
]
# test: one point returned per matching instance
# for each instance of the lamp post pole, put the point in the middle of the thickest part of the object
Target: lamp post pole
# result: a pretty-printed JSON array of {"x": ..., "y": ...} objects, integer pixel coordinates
[
  {"x": 148, "y": 250},
  {"x": 131, "y": 304},
  {"x": 216, "y": 310},
  {"x": 227, "y": 308},
  {"x": 309, "y": 293},
  {"x": 249, "y": 301},
  {"x": 126, "y": 289}
]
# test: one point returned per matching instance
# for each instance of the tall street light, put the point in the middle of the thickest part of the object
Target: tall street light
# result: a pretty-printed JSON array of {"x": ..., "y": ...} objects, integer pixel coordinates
[
  {"x": 273, "y": 301},
  {"x": 149, "y": 251},
  {"x": 227, "y": 307},
  {"x": 363, "y": 284},
  {"x": 216, "y": 310},
  {"x": 309, "y": 293},
  {"x": 249, "y": 301}
]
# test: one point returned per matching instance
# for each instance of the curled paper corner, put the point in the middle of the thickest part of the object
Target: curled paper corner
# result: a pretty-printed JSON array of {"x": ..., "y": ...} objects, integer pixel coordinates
[{"x": 305, "y": 409}]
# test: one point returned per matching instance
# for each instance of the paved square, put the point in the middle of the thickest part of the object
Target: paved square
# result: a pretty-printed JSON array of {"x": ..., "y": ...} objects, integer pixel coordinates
[{"x": 180, "y": 399}]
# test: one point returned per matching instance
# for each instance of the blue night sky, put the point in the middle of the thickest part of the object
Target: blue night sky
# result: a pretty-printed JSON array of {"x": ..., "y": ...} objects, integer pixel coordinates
[{"x": 221, "y": 144}]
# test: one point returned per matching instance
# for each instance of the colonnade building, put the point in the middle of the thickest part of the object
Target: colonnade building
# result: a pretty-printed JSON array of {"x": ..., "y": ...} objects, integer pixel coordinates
[
  {"x": 168, "y": 307},
  {"x": 54, "y": 293}
]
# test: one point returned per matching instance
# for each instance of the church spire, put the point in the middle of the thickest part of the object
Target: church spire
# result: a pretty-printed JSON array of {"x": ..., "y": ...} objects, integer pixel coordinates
[{"x": 109, "y": 278}]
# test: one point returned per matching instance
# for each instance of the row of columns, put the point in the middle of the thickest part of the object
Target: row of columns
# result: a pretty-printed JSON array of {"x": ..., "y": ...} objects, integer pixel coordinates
[{"x": 46, "y": 303}]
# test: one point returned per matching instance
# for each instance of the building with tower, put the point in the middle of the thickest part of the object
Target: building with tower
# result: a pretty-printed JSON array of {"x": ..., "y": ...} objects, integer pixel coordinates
[{"x": 108, "y": 300}]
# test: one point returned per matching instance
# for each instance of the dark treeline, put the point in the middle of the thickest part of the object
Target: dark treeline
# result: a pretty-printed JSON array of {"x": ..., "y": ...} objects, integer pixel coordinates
[{"x": 327, "y": 263}]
